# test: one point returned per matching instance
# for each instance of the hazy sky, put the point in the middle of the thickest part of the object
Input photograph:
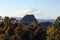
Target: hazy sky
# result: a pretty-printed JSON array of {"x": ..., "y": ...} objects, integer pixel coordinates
[{"x": 42, "y": 9}]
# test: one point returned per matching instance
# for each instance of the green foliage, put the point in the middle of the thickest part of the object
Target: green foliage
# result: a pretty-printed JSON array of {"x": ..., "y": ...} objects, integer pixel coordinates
[
  {"x": 53, "y": 32},
  {"x": 2, "y": 36},
  {"x": 32, "y": 31}
]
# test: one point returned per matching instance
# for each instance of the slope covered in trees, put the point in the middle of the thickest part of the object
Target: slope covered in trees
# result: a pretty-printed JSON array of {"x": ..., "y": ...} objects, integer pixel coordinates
[
  {"x": 11, "y": 29},
  {"x": 53, "y": 31}
]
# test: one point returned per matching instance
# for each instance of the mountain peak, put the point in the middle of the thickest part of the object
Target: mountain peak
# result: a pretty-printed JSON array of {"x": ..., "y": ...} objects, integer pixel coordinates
[{"x": 28, "y": 19}]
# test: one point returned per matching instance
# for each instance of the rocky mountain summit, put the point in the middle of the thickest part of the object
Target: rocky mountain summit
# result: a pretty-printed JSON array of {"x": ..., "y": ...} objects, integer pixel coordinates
[{"x": 28, "y": 19}]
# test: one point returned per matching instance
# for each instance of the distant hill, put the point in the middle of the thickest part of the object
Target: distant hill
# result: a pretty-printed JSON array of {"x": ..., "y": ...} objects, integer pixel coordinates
[
  {"x": 39, "y": 20},
  {"x": 17, "y": 18},
  {"x": 45, "y": 24},
  {"x": 46, "y": 20},
  {"x": 28, "y": 19}
]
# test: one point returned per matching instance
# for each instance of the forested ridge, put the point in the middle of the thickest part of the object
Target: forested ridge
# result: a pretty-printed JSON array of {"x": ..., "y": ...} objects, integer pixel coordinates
[{"x": 11, "y": 29}]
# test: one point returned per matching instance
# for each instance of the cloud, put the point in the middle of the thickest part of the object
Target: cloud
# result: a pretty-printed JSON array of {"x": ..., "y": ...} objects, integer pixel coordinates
[{"x": 33, "y": 10}]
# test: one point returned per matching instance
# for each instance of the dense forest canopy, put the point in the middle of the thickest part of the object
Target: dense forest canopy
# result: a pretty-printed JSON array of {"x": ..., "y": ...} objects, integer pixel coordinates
[{"x": 12, "y": 29}]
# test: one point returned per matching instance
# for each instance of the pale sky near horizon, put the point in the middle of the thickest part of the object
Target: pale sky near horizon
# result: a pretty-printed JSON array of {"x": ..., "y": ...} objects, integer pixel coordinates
[{"x": 41, "y": 9}]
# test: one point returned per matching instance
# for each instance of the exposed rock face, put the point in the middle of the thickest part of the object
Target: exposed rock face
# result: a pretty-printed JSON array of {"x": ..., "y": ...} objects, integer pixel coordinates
[{"x": 28, "y": 19}]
